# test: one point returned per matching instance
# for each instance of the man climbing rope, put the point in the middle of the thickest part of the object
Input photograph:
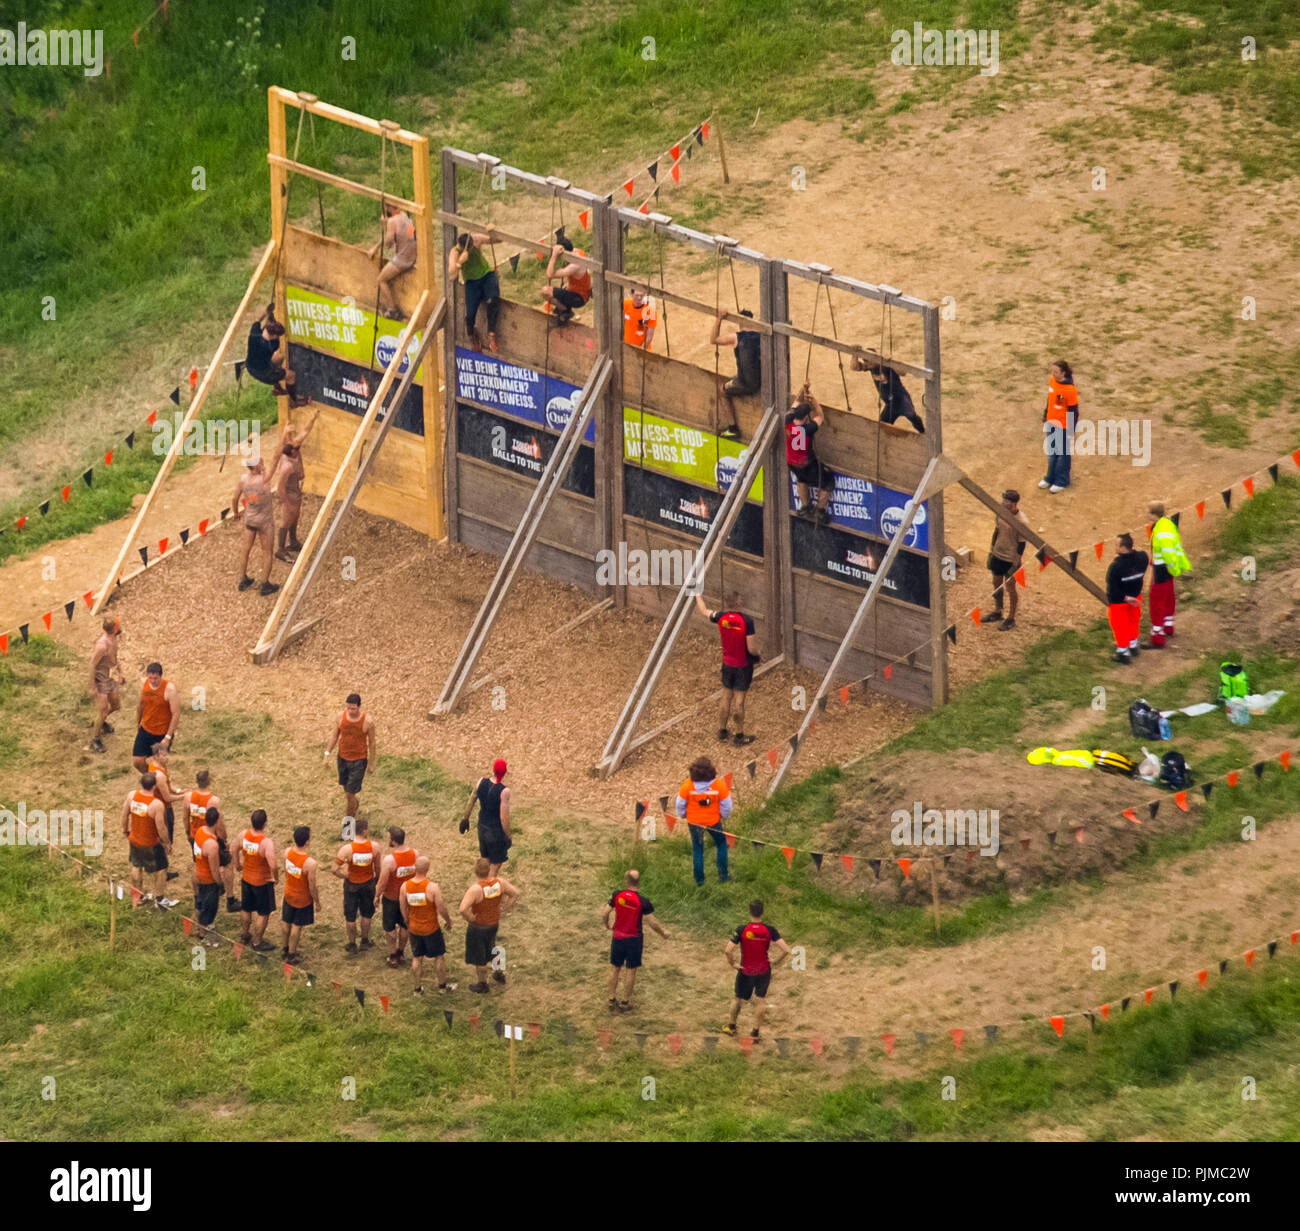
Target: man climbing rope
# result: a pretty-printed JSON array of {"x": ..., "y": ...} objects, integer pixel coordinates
[
  {"x": 399, "y": 231},
  {"x": 801, "y": 425},
  {"x": 468, "y": 261},
  {"x": 566, "y": 300},
  {"x": 253, "y": 501},
  {"x": 747, "y": 346},
  {"x": 1168, "y": 560},
  {"x": 739, "y": 654},
  {"x": 895, "y": 401},
  {"x": 265, "y": 361}
]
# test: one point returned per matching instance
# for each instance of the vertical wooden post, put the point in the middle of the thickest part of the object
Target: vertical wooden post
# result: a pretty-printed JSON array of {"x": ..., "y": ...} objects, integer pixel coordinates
[
  {"x": 277, "y": 143},
  {"x": 776, "y": 479},
  {"x": 514, "y": 1092},
  {"x": 455, "y": 308},
  {"x": 722, "y": 149},
  {"x": 112, "y": 912},
  {"x": 933, "y": 417},
  {"x": 426, "y": 280},
  {"x": 934, "y": 893},
  {"x": 609, "y": 414}
]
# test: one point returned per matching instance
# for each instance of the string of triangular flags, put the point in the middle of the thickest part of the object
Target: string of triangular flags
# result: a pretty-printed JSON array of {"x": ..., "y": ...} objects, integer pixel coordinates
[
  {"x": 848, "y": 860},
  {"x": 1248, "y": 484},
  {"x": 64, "y": 492},
  {"x": 817, "y": 1045},
  {"x": 165, "y": 546},
  {"x": 161, "y": 7},
  {"x": 672, "y": 156}
]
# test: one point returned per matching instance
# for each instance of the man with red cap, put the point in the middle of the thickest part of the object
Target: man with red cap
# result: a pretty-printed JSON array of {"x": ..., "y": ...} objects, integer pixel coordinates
[{"x": 493, "y": 799}]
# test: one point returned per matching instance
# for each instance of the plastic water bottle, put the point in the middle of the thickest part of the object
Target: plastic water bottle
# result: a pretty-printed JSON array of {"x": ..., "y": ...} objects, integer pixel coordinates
[
  {"x": 1237, "y": 712},
  {"x": 1166, "y": 731}
]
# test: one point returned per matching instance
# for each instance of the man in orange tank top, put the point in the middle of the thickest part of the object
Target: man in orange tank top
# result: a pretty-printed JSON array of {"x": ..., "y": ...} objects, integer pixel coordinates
[
  {"x": 421, "y": 904},
  {"x": 355, "y": 865},
  {"x": 301, "y": 895},
  {"x": 207, "y": 878},
  {"x": 198, "y": 804},
  {"x": 354, "y": 735},
  {"x": 146, "y": 831},
  {"x": 255, "y": 861},
  {"x": 567, "y": 299},
  {"x": 156, "y": 715},
  {"x": 398, "y": 866},
  {"x": 481, "y": 908}
]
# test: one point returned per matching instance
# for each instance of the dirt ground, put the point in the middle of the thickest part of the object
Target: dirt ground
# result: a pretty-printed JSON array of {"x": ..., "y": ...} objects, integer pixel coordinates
[{"x": 1033, "y": 275}]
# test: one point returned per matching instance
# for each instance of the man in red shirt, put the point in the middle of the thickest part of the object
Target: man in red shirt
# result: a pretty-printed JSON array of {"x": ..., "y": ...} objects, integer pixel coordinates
[
  {"x": 626, "y": 913},
  {"x": 753, "y": 939},
  {"x": 739, "y": 654},
  {"x": 801, "y": 424}
]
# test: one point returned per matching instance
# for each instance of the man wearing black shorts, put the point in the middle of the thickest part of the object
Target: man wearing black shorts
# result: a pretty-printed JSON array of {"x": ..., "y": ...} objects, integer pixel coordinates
[
  {"x": 739, "y": 654},
  {"x": 493, "y": 799},
  {"x": 258, "y": 871},
  {"x": 207, "y": 876},
  {"x": 301, "y": 894},
  {"x": 753, "y": 939},
  {"x": 357, "y": 867},
  {"x": 895, "y": 401},
  {"x": 1005, "y": 555},
  {"x": 625, "y": 915},
  {"x": 354, "y": 736},
  {"x": 422, "y": 904},
  {"x": 481, "y": 908},
  {"x": 801, "y": 425}
]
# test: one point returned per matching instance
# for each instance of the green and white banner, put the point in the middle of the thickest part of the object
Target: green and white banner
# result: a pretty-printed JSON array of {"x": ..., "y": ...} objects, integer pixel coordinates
[
  {"x": 344, "y": 330},
  {"x": 702, "y": 458}
]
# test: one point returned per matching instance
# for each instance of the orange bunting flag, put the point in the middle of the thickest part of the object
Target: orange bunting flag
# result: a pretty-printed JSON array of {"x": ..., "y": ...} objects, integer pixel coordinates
[
  {"x": 1105, "y": 1012},
  {"x": 844, "y": 695},
  {"x": 704, "y": 130},
  {"x": 1201, "y": 976},
  {"x": 187, "y": 925},
  {"x": 815, "y": 1042},
  {"x": 1058, "y": 1024},
  {"x": 847, "y": 861},
  {"x": 1249, "y": 955},
  {"x": 731, "y": 838},
  {"x": 643, "y": 208},
  {"x": 1295, "y": 936},
  {"x": 203, "y": 526},
  {"x": 1020, "y": 578},
  {"x": 957, "y": 1035},
  {"x": 1249, "y": 485},
  {"x": 88, "y": 598},
  {"x": 1233, "y": 777},
  {"x": 194, "y": 377},
  {"x": 746, "y": 1044},
  {"x": 889, "y": 671},
  {"x": 627, "y": 186},
  {"x": 1099, "y": 548},
  {"x": 788, "y": 852},
  {"x": 338, "y": 989},
  {"x": 150, "y": 417},
  {"x": 1130, "y": 815},
  {"x": 136, "y": 895},
  {"x": 1200, "y": 510},
  {"x": 1285, "y": 759},
  {"x": 888, "y": 1041},
  {"x": 675, "y": 1043},
  {"x": 771, "y": 757},
  {"x": 288, "y": 972},
  {"x": 1146, "y": 996},
  {"x": 583, "y": 218},
  {"x": 974, "y": 614},
  {"x": 108, "y": 458},
  {"x": 65, "y": 493},
  {"x": 602, "y": 1038},
  {"x": 676, "y": 173},
  {"x": 162, "y": 545},
  {"x": 1181, "y": 800},
  {"x": 906, "y": 865},
  {"x": 45, "y": 619},
  {"x": 4, "y": 643}
]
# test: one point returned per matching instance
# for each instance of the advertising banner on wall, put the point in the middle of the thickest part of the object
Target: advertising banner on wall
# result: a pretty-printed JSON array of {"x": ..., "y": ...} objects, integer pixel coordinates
[
  {"x": 674, "y": 505},
  {"x": 520, "y": 448},
  {"x": 867, "y": 508},
  {"x": 345, "y": 330},
  {"x": 849, "y": 558},
  {"x": 347, "y": 386},
  {"x": 518, "y": 391},
  {"x": 684, "y": 452}
]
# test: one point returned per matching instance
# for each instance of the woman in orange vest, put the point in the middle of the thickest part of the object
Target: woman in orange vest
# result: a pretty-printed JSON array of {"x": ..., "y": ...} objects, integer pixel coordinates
[
  {"x": 704, "y": 802},
  {"x": 566, "y": 300},
  {"x": 1060, "y": 418}
]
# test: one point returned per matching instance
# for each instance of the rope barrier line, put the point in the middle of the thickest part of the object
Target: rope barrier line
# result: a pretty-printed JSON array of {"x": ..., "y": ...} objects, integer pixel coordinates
[
  {"x": 817, "y": 1044},
  {"x": 1231, "y": 778}
]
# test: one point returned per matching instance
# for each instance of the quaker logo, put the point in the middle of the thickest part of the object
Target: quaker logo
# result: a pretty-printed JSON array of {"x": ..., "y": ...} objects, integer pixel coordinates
[
  {"x": 559, "y": 410},
  {"x": 724, "y": 474},
  {"x": 696, "y": 508},
  {"x": 892, "y": 517},
  {"x": 386, "y": 348},
  {"x": 863, "y": 559}
]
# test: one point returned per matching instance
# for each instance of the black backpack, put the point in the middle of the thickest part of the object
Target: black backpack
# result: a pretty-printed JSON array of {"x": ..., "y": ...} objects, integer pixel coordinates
[
  {"x": 1144, "y": 720},
  {"x": 1174, "y": 772}
]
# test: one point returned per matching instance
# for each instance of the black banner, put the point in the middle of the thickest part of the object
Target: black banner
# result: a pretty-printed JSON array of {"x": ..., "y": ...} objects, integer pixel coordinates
[
  {"x": 520, "y": 448},
  {"x": 854, "y": 558},
  {"x": 347, "y": 386},
  {"x": 668, "y": 502}
]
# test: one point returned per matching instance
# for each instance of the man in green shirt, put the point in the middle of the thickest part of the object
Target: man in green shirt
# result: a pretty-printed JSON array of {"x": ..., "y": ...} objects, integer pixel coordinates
[{"x": 468, "y": 260}]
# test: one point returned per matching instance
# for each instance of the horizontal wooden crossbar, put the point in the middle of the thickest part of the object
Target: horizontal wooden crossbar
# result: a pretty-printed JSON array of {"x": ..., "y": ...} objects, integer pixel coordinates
[
  {"x": 325, "y": 177},
  {"x": 540, "y": 184},
  {"x": 848, "y": 348},
  {"x": 469, "y": 224},
  {"x": 310, "y": 103},
  {"x": 685, "y": 301},
  {"x": 661, "y": 224},
  {"x": 855, "y": 286}
]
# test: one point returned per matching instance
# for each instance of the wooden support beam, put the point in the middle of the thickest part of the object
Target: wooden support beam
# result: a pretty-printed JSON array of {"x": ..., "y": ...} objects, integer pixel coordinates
[
  {"x": 200, "y": 396},
  {"x": 304, "y": 567},
  {"x": 542, "y": 249},
  {"x": 594, "y": 609},
  {"x": 351, "y": 119},
  {"x": 855, "y": 286},
  {"x": 859, "y": 617},
  {"x": 552, "y": 477},
  {"x": 1058, "y": 558},
  {"x": 847, "y": 348},
  {"x": 661, "y": 224},
  {"x": 338, "y": 181},
  {"x": 933, "y": 402},
  {"x": 685, "y": 301},
  {"x": 540, "y": 184},
  {"x": 616, "y": 746}
]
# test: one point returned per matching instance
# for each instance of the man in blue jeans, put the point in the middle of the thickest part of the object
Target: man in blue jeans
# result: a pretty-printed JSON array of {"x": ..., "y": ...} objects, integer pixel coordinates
[{"x": 704, "y": 802}]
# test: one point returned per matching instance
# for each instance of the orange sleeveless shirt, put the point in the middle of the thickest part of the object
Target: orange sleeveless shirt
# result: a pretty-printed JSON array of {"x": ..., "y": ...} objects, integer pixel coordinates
[
  {"x": 155, "y": 713},
  {"x": 352, "y": 738},
  {"x": 256, "y": 870},
  {"x": 419, "y": 899},
  {"x": 198, "y": 808},
  {"x": 297, "y": 890},
  {"x": 487, "y": 913},
  {"x": 361, "y": 862},
  {"x": 202, "y": 872},
  {"x": 403, "y": 870},
  {"x": 143, "y": 830}
]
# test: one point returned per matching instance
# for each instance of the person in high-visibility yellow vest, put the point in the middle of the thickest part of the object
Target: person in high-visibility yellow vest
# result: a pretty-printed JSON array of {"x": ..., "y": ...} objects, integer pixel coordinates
[{"x": 1168, "y": 560}]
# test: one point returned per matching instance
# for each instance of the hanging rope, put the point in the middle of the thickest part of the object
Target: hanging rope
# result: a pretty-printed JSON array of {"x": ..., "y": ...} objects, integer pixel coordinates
[
  {"x": 839, "y": 355},
  {"x": 817, "y": 295},
  {"x": 320, "y": 199},
  {"x": 383, "y": 231},
  {"x": 288, "y": 194}
]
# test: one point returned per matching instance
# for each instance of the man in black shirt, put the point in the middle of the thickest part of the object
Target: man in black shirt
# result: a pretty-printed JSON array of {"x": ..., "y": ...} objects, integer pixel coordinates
[
  {"x": 493, "y": 799},
  {"x": 1124, "y": 581},
  {"x": 895, "y": 401},
  {"x": 263, "y": 360},
  {"x": 746, "y": 345}
]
